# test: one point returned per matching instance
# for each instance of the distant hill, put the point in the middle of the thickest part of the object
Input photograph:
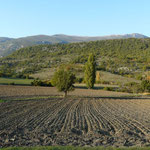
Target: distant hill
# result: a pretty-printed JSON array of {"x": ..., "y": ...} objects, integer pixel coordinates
[
  {"x": 9, "y": 45},
  {"x": 4, "y": 39},
  {"x": 122, "y": 56}
]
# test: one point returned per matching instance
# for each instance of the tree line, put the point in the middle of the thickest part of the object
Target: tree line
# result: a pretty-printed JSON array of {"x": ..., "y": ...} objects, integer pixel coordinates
[{"x": 64, "y": 79}]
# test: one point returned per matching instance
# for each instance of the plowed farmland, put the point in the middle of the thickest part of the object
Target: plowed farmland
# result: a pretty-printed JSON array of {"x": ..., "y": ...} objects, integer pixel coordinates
[{"x": 79, "y": 121}]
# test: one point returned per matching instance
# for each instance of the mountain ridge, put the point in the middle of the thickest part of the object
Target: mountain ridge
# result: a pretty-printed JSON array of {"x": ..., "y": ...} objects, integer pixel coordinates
[{"x": 9, "y": 45}]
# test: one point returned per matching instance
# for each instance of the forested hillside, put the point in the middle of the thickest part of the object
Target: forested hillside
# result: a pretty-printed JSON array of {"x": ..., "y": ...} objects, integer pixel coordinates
[
  {"x": 122, "y": 56},
  {"x": 9, "y": 45}
]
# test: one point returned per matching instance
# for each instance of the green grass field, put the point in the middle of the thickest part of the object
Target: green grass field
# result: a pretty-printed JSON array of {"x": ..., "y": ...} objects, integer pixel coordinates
[
  {"x": 11, "y": 81},
  {"x": 75, "y": 148},
  {"x": 47, "y": 73},
  {"x": 107, "y": 76},
  {"x": 2, "y": 101}
]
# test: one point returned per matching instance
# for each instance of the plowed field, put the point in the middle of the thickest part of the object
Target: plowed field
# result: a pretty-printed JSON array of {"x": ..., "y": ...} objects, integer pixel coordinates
[{"x": 75, "y": 121}]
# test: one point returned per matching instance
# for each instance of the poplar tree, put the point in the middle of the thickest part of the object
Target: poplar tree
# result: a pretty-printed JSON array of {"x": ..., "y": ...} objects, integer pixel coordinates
[{"x": 90, "y": 71}]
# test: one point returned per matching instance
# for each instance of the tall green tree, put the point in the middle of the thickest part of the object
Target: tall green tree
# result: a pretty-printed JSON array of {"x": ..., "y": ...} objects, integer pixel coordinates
[
  {"x": 63, "y": 80},
  {"x": 90, "y": 71}
]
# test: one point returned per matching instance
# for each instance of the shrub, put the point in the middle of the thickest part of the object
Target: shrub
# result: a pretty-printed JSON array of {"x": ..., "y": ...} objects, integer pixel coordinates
[
  {"x": 103, "y": 82},
  {"x": 38, "y": 82},
  {"x": 11, "y": 83},
  {"x": 131, "y": 87},
  {"x": 63, "y": 80},
  {"x": 108, "y": 88},
  {"x": 79, "y": 80},
  {"x": 145, "y": 86}
]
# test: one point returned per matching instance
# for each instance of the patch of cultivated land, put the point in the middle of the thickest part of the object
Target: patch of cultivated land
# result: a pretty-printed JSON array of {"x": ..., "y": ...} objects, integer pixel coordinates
[
  {"x": 23, "y": 91},
  {"x": 78, "y": 121}
]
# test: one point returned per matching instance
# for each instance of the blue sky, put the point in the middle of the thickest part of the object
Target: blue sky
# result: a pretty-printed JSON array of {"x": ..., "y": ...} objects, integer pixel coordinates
[{"x": 20, "y": 18}]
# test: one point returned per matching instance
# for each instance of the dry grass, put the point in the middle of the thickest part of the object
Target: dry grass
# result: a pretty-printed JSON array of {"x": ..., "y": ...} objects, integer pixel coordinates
[{"x": 107, "y": 76}]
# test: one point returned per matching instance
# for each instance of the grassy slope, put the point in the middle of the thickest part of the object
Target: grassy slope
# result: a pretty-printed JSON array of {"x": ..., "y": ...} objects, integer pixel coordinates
[
  {"x": 107, "y": 76},
  {"x": 15, "y": 81},
  {"x": 104, "y": 75},
  {"x": 41, "y": 61}
]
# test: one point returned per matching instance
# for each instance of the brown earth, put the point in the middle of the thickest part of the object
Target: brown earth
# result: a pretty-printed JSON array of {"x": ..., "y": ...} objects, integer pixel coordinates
[
  {"x": 23, "y": 91},
  {"x": 74, "y": 121}
]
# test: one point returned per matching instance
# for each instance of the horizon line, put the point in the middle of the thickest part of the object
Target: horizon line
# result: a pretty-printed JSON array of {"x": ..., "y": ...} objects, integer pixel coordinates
[{"x": 72, "y": 35}]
